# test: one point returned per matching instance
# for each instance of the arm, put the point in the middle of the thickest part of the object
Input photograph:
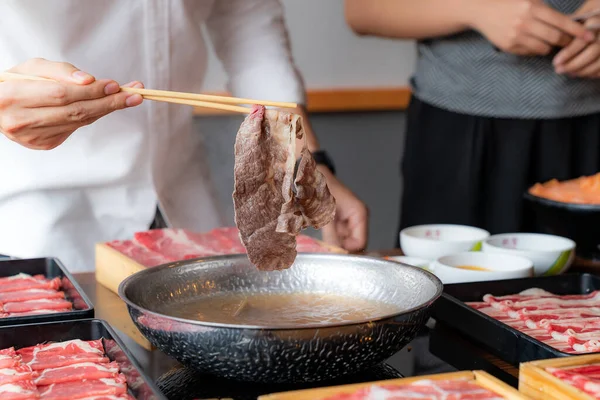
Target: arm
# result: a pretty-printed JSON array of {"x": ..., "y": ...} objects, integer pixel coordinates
[{"x": 408, "y": 19}]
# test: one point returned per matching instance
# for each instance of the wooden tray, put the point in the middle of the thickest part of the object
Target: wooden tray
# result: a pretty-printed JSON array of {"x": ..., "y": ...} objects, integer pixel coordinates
[
  {"x": 537, "y": 383},
  {"x": 481, "y": 378}
]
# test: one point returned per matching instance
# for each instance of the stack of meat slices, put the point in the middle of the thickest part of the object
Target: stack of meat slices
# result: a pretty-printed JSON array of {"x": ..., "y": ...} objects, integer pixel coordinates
[
  {"x": 455, "y": 389},
  {"x": 585, "y": 378},
  {"x": 569, "y": 323},
  {"x": 161, "y": 246},
  {"x": 68, "y": 370},
  {"x": 23, "y": 294}
]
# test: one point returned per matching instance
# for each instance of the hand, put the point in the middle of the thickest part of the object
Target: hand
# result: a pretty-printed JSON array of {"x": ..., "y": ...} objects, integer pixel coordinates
[
  {"x": 581, "y": 58},
  {"x": 526, "y": 27},
  {"x": 349, "y": 229},
  {"x": 41, "y": 115}
]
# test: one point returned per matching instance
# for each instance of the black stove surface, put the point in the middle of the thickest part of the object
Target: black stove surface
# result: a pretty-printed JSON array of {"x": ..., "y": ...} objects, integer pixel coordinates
[{"x": 187, "y": 384}]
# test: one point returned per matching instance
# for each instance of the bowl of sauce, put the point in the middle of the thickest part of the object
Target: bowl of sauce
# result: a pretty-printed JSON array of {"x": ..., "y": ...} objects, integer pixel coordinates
[{"x": 479, "y": 266}]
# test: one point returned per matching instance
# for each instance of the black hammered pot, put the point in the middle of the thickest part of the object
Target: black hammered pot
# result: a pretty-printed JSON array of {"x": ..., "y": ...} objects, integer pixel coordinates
[{"x": 271, "y": 354}]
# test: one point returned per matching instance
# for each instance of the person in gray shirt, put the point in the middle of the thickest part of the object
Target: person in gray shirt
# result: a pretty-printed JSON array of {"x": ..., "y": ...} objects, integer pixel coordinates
[{"x": 505, "y": 94}]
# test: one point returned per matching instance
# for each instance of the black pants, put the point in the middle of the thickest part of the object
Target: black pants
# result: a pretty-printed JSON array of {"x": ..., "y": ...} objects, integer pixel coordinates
[{"x": 462, "y": 169}]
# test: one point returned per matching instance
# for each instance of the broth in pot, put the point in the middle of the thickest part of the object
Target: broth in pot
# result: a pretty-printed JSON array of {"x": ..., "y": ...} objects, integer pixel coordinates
[{"x": 281, "y": 309}]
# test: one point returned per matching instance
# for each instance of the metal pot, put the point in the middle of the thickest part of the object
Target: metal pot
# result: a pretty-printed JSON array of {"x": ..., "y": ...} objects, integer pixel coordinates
[{"x": 277, "y": 354}]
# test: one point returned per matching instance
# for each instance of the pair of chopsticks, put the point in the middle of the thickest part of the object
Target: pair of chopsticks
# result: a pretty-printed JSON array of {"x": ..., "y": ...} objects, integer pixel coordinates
[{"x": 191, "y": 99}]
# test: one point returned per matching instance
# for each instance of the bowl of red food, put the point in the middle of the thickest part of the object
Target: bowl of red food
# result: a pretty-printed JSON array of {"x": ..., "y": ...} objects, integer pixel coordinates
[{"x": 570, "y": 209}]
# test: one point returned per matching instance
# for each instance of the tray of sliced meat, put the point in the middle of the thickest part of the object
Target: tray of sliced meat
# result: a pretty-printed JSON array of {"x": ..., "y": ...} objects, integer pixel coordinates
[
  {"x": 79, "y": 359},
  {"x": 576, "y": 378},
  {"x": 40, "y": 290},
  {"x": 471, "y": 385},
  {"x": 529, "y": 319}
]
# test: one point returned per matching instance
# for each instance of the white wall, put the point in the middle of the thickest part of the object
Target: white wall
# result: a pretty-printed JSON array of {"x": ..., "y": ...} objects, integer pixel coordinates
[{"x": 330, "y": 55}]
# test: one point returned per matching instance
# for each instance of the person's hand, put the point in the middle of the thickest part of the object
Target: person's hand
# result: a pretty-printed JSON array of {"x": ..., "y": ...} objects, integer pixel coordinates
[
  {"x": 41, "y": 115},
  {"x": 525, "y": 27},
  {"x": 349, "y": 229},
  {"x": 581, "y": 58}
]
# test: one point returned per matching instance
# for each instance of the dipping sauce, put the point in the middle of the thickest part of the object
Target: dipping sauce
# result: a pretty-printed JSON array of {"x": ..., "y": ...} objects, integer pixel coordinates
[
  {"x": 472, "y": 268},
  {"x": 584, "y": 190},
  {"x": 289, "y": 309}
]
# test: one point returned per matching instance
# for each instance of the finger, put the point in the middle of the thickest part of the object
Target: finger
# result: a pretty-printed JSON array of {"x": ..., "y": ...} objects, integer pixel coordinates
[
  {"x": 358, "y": 227},
  {"x": 547, "y": 34},
  {"x": 588, "y": 56},
  {"x": 566, "y": 54},
  {"x": 562, "y": 22},
  {"x": 330, "y": 235},
  {"x": 59, "y": 71},
  {"x": 590, "y": 71},
  {"x": 134, "y": 84},
  {"x": 532, "y": 45},
  {"x": 82, "y": 111},
  {"x": 34, "y": 94}
]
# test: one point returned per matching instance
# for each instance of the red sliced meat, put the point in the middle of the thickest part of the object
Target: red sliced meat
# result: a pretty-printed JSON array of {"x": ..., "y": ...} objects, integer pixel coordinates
[
  {"x": 15, "y": 374},
  {"x": 30, "y": 294},
  {"x": 62, "y": 354},
  {"x": 9, "y": 358},
  {"x": 30, "y": 283},
  {"x": 77, "y": 372},
  {"x": 139, "y": 253},
  {"x": 25, "y": 390},
  {"x": 62, "y": 360},
  {"x": 84, "y": 389},
  {"x": 175, "y": 244},
  {"x": 229, "y": 238},
  {"x": 40, "y": 304},
  {"x": 8, "y": 280},
  {"x": 34, "y": 312},
  {"x": 75, "y": 346},
  {"x": 112, "y": 397}
]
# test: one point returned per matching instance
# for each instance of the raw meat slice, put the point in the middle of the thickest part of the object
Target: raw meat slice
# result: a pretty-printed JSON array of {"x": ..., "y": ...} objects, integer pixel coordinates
[
  {"x": 271, "y": 207},
  {"x": 138, "y": 253},
  {"x": 9, "y": 358},
  {"x": 456, "y": 389},
  {"x": 111, "y": 397},
  {"x": 77, "y": 372},
  {"x": 29, "y": 283},
  {"x": 19, "y": 277},
  {"x": 40, "y": 304},
  {"x": 229, "y": 238},
  {"x": 84, "y": 389},
  {"x": 579, "y": 378},
  {"x": 62, "y": 354},
  {"x": 24, "y": 390},
  {"x": 174, "y": 244},
  {"x": 15, "y": 374},
  {"x": 33, "y": 312},
  {"x": 30, "y": 294}
]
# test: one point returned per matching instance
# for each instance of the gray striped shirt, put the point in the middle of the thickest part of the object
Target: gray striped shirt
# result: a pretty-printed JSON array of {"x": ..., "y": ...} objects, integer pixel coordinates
[{"x": 464, "y": 73}]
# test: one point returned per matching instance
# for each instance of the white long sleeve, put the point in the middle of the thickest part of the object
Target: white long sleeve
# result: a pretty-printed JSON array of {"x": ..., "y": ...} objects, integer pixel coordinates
[{"x": 251, "y": 40}]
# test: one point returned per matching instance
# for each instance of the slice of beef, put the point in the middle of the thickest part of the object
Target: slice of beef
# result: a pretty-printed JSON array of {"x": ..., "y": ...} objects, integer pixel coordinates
[{"x": 271, "y": 207}]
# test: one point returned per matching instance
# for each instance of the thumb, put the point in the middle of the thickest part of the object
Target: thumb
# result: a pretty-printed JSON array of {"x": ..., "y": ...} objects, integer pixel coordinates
[{"x": 59, "y": 71}]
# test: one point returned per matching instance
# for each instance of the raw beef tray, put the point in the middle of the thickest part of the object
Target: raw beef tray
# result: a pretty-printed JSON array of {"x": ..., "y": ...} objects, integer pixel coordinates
[
  {"x": 101, "y": 362},
  {"x": 40, "y": 290},
  {"x": 161, "y": 246},
  {"x": 499, "y": 338}
]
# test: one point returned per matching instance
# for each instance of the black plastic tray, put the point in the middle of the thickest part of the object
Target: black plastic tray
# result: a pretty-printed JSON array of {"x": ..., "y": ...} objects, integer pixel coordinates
[
  {"x": 88, "y": 329},
  {"x": 51, "y": 268},
  {"x": 511, "y": 345}
]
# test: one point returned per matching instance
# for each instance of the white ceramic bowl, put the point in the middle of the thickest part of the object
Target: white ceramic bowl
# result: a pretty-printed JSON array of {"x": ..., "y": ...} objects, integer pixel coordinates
[
  {"x": 498, "y": 267},
  {"x": 435, "y": 241},
  {"x": 551, "y": 255},
  {"x": 415, "y": 262}
]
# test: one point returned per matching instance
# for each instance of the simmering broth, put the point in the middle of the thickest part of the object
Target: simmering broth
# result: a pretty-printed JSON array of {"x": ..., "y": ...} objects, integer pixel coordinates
[{"x": 282, "y": 309}]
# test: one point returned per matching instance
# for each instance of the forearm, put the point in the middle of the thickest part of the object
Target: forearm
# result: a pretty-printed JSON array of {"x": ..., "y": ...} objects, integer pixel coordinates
[{"x": 410, "y": 19}]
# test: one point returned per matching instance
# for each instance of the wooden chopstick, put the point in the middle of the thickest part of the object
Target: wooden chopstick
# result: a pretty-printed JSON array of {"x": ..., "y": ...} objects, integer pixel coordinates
[
  {"x": 207, "y": 97},
  {"x": 191, "y": 99}
]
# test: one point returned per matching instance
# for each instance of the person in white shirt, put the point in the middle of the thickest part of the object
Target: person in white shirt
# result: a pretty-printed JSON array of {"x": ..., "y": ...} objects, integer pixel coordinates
[{"x": 107, "y": 171}]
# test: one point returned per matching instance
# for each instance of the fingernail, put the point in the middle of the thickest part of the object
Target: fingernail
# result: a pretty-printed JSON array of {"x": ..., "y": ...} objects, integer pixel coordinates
[
  {"x": 133, "y": 100},
  {"x": 138, "y": 85},
  {"x": 82, "y": 76},
  {"x": 111, "y": 88}
]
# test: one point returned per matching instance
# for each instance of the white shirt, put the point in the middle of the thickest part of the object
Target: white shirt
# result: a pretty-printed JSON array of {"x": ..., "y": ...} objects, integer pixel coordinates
[{"x": 106, "y": 180}]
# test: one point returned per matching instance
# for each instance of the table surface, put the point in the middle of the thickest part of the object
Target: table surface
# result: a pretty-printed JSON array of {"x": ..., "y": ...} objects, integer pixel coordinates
[{"x": 156, "y": 363}]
